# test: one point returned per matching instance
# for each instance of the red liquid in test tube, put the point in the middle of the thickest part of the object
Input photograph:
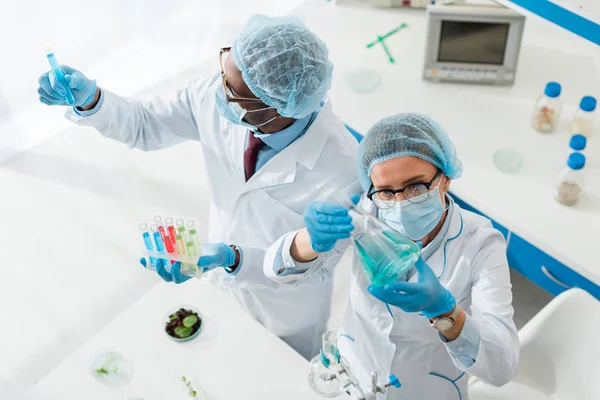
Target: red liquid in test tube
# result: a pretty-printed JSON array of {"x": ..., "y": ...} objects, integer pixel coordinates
[
  {"x": 172, "y": 236},
  {"x": 166, "y": 240}
]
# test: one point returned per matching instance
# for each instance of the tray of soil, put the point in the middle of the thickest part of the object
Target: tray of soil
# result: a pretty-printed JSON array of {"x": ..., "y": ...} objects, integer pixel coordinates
[{"x": 183, "y": 324}]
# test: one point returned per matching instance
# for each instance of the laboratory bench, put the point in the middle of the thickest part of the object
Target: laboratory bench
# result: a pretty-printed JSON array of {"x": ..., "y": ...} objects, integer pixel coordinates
[
  {"x": 552, "y": 245},
  {"x": 233, "y": 357}
]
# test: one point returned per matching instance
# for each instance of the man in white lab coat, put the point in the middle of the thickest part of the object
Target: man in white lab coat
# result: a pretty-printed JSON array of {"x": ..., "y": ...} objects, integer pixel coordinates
[
  {"x": 452, "y": 314},
  {"x": 271, "y": 145}
]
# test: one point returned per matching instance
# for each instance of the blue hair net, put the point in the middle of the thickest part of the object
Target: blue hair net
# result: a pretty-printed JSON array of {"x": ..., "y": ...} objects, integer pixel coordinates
[
  {"x": 284, "y": 64},
  {"x": 407, "y": 134}
]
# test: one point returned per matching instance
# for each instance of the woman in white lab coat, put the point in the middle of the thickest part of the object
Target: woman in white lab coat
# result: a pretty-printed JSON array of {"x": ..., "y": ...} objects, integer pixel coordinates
[
  {"x": 272, "y": 89},
  {"x": 452, "y": 314}
]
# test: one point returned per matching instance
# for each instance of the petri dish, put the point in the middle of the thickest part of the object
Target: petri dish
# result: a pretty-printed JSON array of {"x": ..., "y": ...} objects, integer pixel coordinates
[
  {"x": 508, "y": 161},
  {"x": 363, "y": 80},
  {"x": 111, "y": 368},
  {"x": 166, "y": 319}
]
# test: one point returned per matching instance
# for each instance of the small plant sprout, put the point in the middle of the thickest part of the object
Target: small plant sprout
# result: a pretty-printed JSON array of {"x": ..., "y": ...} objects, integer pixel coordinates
[{"x": 191, "y": 390}]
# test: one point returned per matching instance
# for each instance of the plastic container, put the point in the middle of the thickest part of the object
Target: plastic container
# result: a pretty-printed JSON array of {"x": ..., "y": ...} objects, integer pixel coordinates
[
  {"x": 546, "y": 111},
  {"x": 577, "y": 143},
  {"x": 570, "y": 180},
  {"x": 385, "y": 254},
  {"x": 584, "y": 118}
]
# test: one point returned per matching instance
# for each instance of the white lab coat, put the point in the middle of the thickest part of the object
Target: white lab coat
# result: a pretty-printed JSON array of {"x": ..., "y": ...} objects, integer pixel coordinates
[
  {"x": 476, "y": 273},
  {"x": 253, "y": 214}
]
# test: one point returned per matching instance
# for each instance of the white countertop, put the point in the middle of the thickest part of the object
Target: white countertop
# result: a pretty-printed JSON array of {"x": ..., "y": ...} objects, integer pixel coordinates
[
  {"x": 481, "y": 119},
  {"x": 234, "y": 357}
]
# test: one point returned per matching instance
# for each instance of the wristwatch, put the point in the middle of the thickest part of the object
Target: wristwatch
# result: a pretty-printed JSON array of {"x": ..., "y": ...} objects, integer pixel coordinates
[
  {"x": 445, "y": 322},
  {"x": 232, "y": 268}
]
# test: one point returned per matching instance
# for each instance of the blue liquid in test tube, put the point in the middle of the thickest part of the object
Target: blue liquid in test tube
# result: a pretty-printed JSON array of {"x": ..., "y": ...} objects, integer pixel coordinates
[
  {"x": 60, "y": 77},
  {"x": 160, "y": 247}
]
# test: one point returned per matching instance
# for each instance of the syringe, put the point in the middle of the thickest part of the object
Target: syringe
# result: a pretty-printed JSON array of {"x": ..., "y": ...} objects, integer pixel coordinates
[{"x": 60, "y": 77}]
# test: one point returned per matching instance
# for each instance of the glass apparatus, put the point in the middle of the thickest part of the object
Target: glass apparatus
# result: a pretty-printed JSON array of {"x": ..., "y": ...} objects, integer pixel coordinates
[
  {"x": 329, "y": 375},
  {"x": 320, "y": 378},
  {"x": 385, "y": 254},
  {"x": 583, "y": 120},
  {"x": 546, "y": 111},
  {"x": 570, "y": 180},
  {"x": 111, "y": 368}
]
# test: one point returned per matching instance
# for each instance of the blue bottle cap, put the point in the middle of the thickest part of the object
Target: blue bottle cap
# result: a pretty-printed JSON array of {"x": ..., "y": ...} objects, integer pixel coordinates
[
  {"x": 576, "y": 161},
  {"x": 578, "y": 142},
  {"x": 552, "y": 89},
  {"x": 588, "y": 103}
]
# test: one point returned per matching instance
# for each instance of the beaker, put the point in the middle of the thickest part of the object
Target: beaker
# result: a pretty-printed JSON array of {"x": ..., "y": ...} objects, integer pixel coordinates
[{"x": 385, "y": 254}]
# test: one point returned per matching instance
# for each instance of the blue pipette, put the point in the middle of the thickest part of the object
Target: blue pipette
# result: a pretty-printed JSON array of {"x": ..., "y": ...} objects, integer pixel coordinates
[{"x": 60, "y": 77}]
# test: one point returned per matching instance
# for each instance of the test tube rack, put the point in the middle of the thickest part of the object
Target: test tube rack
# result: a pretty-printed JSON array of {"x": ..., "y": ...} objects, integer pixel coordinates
[{"x": 173, "y": 240}]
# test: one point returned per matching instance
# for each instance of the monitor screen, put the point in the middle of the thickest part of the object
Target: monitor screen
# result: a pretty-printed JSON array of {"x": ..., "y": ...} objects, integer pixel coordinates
[{"x": 473, "y": 42}]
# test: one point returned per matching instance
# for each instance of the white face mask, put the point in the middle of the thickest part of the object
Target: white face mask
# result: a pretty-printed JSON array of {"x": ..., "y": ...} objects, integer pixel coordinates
[{"x": 415, "y": 220}]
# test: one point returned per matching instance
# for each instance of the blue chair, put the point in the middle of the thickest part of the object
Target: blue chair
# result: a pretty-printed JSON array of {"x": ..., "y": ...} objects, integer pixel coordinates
[{"x": 354, "y": 133}]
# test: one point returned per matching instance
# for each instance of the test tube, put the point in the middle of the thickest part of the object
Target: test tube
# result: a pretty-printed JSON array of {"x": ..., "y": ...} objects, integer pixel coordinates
[
  {"x": 171, "y": 230},
  {"x": 190, "y": 248},
  {"x": 158, "y": 242},
  {"x": 148, "y": 244},
  {"x": 180, "y": 244},
  {"x": 58, "y": 74},
  {"x": 146, "y": 237},
  {"x": 166, "y": 239}
]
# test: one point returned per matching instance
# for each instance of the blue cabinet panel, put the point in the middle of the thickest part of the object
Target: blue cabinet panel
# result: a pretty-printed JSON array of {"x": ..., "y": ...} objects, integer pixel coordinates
[{"x": 545, "y": 271}]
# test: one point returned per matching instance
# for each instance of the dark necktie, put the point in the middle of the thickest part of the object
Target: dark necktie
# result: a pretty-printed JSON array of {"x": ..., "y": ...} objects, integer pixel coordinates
[{"x": 251, "y": 154}]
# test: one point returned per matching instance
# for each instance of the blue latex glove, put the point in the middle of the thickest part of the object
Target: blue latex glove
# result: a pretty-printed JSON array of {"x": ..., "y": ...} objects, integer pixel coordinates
[
  {"x": 217, "y": 255},
  {"x": 174, "y": 276},
  {"x": 214, "y": 255},
  {"x": 427, "y": 296},
  {"x": 53, "y": 93},
  {"x": 327, "y": 223}
]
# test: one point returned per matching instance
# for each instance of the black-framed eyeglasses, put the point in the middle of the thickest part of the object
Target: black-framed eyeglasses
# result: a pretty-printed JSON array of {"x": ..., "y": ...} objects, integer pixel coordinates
[
  {"x": 415, "y": 193},
  {"x": 229, "y": 93}
]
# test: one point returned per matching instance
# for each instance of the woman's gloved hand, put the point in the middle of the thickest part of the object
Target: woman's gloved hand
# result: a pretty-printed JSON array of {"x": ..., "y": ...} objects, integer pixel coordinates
[
  {"x": 214, "y": 255},
  {"x": 427, "y": 295},
  {"x": 53, "y": 93},
  {"x": 327, "y": 223}
]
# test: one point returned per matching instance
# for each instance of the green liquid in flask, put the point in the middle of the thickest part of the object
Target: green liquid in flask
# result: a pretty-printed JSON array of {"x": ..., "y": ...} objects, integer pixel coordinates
[{"x": 386, "y": 255}]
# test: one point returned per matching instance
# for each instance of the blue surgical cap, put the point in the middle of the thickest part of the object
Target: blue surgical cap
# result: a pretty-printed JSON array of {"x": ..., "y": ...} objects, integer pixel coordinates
[
  {"x": 284, "y": 64},
  {"x": 407, "y": 134}
]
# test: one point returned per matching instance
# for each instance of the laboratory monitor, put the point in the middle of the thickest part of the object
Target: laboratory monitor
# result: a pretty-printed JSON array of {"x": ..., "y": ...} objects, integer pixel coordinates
[{"x": 472, "y": 44}]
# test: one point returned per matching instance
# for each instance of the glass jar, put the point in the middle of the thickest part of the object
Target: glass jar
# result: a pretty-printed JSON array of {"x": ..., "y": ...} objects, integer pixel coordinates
[
  {"x": 570, "y": 180},
  {"x": 546, "y": 111},
  {"x": 583, "y": 120}
]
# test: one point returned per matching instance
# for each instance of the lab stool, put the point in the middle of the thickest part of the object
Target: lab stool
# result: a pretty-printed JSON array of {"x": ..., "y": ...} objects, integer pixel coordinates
[{"x": 560, "y": 354}]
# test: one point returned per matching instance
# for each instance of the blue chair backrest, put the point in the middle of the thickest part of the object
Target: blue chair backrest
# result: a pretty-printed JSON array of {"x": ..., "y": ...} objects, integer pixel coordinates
[{"x": 356, "y": 135}]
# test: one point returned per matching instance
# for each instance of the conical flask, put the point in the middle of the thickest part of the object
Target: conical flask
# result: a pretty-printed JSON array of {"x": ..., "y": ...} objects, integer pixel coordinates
[{"x": 385, "y": 254}]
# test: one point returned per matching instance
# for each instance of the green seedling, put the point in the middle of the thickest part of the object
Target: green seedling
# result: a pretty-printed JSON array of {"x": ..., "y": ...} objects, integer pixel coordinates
[
  {"x": 191, "y": 390},
  {"x": 183, "y": 331},
  {"x": 190, "y": 321},
  {"x": 101, "y": 370}
]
